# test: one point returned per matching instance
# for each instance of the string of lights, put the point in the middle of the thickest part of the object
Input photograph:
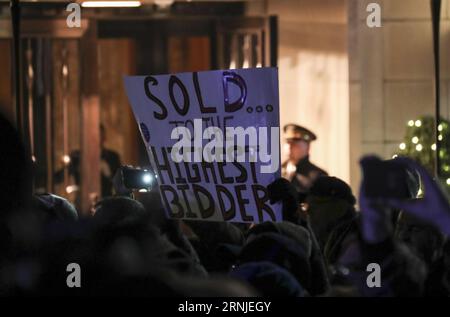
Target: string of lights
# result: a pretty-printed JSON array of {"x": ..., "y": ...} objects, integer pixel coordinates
[{"x": 419, "y": 144}]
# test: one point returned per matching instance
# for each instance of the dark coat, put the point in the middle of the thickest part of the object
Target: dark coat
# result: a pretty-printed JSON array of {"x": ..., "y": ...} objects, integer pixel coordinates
[{"x": 306, "y": 174}]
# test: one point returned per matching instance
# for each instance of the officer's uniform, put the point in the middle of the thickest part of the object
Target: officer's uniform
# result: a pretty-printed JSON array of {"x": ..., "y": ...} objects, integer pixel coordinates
[{"x": 302, "y": 175}]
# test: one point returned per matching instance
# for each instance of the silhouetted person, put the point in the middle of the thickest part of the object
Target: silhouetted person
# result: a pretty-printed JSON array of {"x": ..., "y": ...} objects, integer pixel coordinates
[
  {"x": 110, "y": 162},
  {"x": 15, "y": 172}
]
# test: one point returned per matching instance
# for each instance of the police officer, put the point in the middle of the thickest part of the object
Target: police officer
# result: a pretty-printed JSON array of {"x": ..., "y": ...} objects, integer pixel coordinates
[{"x": 297, "y": 168}]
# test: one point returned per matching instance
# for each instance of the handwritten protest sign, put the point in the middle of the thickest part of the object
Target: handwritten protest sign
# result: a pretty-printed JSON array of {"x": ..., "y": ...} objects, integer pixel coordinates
[{"x": 213, "y": 141}]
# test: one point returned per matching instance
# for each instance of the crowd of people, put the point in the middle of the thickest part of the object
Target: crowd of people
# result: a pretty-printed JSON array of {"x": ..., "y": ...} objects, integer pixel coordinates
[{"x": 326, "y": 245}]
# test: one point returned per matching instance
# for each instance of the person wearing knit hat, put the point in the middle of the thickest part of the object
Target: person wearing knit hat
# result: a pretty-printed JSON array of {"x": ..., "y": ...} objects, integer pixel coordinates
[
  {"x": 297, "y": 168},
  {"x": 330, "y": 205},
  {"x": 269, "y": 279},
  {"x": 334, "y": 188}
]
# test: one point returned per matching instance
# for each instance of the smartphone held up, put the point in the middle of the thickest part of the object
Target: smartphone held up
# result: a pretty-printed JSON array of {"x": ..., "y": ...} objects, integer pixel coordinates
[
  {"x": 388, "y": 179},
  {"x": 131, "y": 179}
]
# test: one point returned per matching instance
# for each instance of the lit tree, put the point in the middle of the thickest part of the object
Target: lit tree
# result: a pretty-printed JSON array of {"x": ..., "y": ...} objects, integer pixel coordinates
[{"x": 419, "y": 144}]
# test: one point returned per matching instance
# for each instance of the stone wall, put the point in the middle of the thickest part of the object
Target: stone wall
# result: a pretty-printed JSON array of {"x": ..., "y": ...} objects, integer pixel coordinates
[{"x": 391, "y": 70}]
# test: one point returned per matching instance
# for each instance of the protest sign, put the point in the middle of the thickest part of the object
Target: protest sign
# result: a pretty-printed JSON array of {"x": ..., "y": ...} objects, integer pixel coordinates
[{"x": 213, "y": 141}]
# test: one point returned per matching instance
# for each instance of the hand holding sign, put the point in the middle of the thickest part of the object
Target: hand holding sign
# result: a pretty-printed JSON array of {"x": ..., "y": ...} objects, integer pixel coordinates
[{"x": 214, "y": 157}]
